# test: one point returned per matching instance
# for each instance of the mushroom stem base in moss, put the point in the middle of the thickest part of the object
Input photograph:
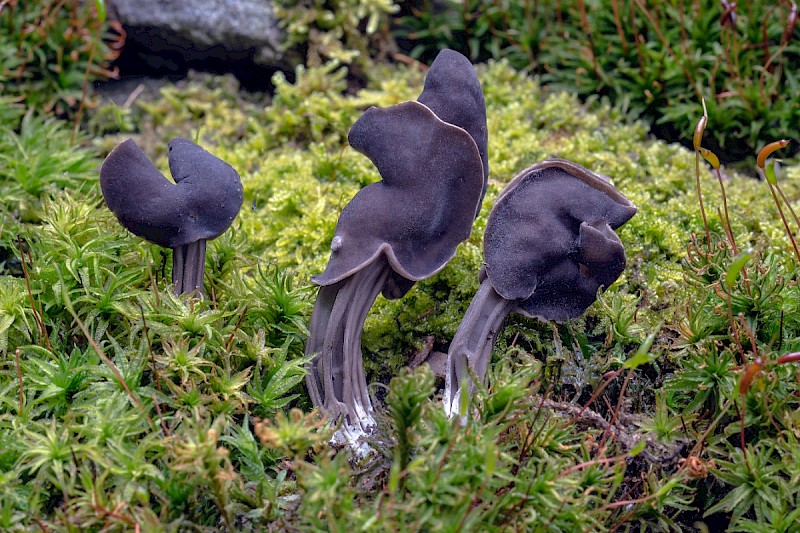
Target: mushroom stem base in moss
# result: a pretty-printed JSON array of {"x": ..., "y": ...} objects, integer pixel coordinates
[
  {"x": 188, "y": 266},
  {"x": 336, "y": 379},
  {"x": 471, "y": 348}
]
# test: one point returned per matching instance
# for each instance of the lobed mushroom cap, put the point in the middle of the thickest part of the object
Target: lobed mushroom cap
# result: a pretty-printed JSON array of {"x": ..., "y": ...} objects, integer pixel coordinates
[
  {"x": 453, "y": 92},
  {"x": 550, "y": 243},
  {"x": 201, "y": 204},
  {"x": 423, "y": 207}
]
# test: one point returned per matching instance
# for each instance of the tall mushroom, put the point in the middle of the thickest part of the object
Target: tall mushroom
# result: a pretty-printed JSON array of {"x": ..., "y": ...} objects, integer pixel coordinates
[
  {"x": 198, "y": 207},
  {"x": 397, "y": 231},
  {"x": 549, "y": 246}
]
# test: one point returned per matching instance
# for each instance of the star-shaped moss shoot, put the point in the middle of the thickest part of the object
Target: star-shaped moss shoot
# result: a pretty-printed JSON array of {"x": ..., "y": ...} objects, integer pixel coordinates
[
  {"x": 399, "y": 230},
  {"x": 549, "y": 246},
  {"x": 198, "y": 207}
]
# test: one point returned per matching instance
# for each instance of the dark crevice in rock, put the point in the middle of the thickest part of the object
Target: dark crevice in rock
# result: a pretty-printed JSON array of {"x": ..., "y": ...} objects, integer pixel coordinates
[{"x": 150, "y": 52}]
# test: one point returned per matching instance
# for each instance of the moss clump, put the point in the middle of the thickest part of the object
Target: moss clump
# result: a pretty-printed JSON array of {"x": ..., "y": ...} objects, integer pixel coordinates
[
  {"x": 178, "y": 444},
  {"x": 298, "y": 173}
]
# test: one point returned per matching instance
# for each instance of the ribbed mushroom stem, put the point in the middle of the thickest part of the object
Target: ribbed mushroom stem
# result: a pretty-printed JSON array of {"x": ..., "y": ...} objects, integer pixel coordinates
[
  {"x": 336, "y": 379},
  {"x": 188, "y": 266},
  {"x": 471, "y": 348}
]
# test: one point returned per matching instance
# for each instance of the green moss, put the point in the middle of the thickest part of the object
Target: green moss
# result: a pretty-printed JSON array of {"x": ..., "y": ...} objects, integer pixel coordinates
[
  {"x": 299, "y": 172},
  {"x": 201, "y": 369}
]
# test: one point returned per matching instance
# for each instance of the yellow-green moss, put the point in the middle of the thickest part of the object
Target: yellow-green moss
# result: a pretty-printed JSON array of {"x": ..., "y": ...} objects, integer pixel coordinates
[{"x": 298, "y": 173}]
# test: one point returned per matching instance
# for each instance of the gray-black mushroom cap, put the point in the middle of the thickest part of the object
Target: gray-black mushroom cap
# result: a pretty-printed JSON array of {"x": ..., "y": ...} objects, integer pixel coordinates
[
  {"x": 452, "y": 91},
  {"x": 550, "y": 243},
  {"x": 423, "y": 207},
  {"x": 201, "y": 204}
]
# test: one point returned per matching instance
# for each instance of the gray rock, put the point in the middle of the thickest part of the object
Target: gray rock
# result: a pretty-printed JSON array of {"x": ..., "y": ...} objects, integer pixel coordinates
[{"x": 228, "y": 30}]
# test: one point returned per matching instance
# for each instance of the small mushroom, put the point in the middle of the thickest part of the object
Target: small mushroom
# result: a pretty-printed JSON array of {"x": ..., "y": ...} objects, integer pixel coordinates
[
  {"x": 549, "y": 246},
  {"x": 392, "y": 234},
  {"x": 198, "y": 207}
]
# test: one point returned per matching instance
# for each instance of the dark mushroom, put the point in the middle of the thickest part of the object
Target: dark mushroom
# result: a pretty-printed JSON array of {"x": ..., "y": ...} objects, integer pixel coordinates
[
  {"x": 452, "y": 91},
  {"x": 549, "y": 246},
  {"x": 392, "y": 234},
  {"x": 198, "y": 207}
]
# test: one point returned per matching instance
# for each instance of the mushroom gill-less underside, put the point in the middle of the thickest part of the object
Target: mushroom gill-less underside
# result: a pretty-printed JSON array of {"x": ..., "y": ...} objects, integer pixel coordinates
[{"x": 549, "y": 247}]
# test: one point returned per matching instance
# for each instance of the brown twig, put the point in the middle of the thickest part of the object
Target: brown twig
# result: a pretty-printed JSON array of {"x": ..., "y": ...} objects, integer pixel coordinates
[
  {"x": 619, "y": 430},
  {"x": 699, "y": 444},
  {"x": 84, "y": 90},
  {"x": 99, "y": 509},
  {"x": 618, "y": 24},
  {"x": 161, "y": 422},
  {"x": 731, "y": 321},
  {"x": 718, "y": 174},
  {"x": 758, "y": 362},
  {"x": 133, "y": 96},
  {"x": 615, "y": 411},
  {"x": 609, "y": 377},
  {"x": 531, "y": 439},
  {"x": 788, "y": 204},
  {"x": 667, "y": 47},
  {"x": 235, "y": 329},
  {"x": 785, "y": 223},
  {"x": 410, "y": 61},
  {"x": 150, "y": 348},
  {"x": 37, "y": 314},
  {"x": 19, "y": 377},
  {"x": 588, "y": 30},
  {"x": 593, "y": 462},
  {"x": 624, "y": 503},
  {"x": 154, "y": 285},
  {"x": 100, "y": 352},
  {"x": 473, "y": 504}
]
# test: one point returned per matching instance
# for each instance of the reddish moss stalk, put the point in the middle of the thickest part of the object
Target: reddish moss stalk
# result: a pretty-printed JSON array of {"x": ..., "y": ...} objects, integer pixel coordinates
[{"x": 697, "y": 139}]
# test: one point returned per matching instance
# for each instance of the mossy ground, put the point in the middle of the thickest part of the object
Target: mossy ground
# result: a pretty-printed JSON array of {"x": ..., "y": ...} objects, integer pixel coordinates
[{"x": 79, "y": 450}]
